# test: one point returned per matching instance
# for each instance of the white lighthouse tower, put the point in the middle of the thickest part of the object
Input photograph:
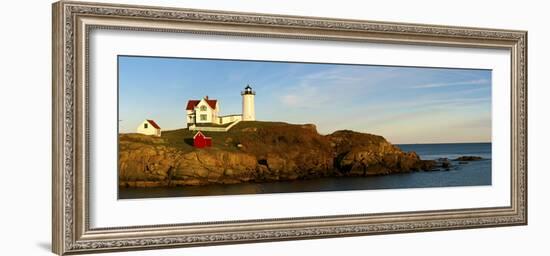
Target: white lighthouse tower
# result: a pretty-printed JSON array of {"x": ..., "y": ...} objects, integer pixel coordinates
[{"x": 248, "y": 104}]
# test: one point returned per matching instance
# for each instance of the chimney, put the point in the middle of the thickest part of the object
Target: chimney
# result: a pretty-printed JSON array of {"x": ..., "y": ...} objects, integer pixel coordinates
[{"x": 206, "y": 97}]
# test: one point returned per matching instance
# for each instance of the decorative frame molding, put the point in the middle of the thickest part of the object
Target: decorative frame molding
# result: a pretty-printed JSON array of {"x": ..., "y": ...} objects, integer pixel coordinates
[{"x": 72, "y": 22}]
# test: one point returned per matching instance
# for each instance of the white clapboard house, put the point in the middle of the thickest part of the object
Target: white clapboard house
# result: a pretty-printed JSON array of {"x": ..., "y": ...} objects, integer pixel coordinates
[{"x": 149, "y": 127}]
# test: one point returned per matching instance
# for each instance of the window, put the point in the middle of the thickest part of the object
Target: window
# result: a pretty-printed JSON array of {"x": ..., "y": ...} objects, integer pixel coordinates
[
  {"x": 203, "y": 108},
  {"x": 145, "y": 126},
  {"x": 203, "y": 117}
]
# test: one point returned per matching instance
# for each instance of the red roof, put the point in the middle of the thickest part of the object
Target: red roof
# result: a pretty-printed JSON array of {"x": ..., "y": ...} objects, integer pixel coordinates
[
  {"x": 153, "y": 123},
  {"x": 191, "y": 104}
]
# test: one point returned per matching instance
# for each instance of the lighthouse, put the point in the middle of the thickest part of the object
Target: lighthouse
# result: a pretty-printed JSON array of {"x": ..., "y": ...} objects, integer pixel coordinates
[{"x": 248, "y": 104}]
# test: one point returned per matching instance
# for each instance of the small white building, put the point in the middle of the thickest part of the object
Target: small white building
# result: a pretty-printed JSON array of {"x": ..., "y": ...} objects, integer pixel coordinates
[{"x": 149, "y": 127}]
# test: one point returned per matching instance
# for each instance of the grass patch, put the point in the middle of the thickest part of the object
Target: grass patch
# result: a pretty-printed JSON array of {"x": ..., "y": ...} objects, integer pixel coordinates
[{"x": 182, "y": 139}]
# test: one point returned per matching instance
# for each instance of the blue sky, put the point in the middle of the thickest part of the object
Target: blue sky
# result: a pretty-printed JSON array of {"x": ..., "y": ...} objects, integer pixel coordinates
[{"x": 403, "y": 104}]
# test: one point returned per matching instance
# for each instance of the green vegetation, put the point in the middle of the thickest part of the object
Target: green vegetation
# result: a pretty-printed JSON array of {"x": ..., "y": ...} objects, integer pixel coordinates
[{"x": 182, "y": 139}]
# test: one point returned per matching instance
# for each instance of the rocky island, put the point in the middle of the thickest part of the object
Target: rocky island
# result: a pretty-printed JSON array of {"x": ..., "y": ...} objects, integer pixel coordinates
[{"x": 260, "y": 152}]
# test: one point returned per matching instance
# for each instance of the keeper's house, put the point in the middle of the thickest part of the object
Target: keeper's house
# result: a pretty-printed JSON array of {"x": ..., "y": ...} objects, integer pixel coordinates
[{"x": 202, "y": 111}]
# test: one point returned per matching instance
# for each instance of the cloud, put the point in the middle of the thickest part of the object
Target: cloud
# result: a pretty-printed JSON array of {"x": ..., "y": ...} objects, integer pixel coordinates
[
  {"x": 290, "y": 100},
  {"x": 437, "y": 85},
  {"x": 305, "y": 96},
  {"x": 316, "y": 89}
]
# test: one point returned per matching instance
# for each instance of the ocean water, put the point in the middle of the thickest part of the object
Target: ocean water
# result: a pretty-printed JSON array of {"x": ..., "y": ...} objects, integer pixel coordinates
[
  {"x": 474, "y": 173},
  {"x": 450, "y": 150}
]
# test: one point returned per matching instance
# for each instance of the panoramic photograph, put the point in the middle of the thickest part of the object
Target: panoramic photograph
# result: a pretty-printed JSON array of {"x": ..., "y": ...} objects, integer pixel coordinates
[{"x": 214, "y": 127}]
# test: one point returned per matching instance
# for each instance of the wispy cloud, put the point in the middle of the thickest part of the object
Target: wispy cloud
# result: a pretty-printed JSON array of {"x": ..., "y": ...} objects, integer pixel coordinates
[
  {"x": 429, "y": 103},
  {"x": 339, "y": 84},
  {"x": 304, "y": 96},
  {"x": 437, "y": 85}
]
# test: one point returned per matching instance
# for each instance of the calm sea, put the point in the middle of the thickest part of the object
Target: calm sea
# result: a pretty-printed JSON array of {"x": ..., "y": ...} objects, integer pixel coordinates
[{"x": 475, "y": 173}]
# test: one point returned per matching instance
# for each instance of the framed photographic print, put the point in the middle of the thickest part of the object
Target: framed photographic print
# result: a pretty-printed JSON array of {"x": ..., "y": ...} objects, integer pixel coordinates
[{"x": 180, "y": 127}]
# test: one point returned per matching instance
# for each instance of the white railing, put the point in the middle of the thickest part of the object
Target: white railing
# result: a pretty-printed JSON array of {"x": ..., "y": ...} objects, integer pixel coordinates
[
  {"x": 212, "y": 128},
  {"x": 229, "y": 119}
]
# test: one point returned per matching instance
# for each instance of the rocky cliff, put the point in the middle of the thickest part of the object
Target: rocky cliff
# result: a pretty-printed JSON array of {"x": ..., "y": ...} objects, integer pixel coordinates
[{"x": 258, "y": 152}]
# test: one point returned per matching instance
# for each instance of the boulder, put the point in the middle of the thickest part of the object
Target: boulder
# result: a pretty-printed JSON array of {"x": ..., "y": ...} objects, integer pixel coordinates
[{"x": 468, "y": 158}]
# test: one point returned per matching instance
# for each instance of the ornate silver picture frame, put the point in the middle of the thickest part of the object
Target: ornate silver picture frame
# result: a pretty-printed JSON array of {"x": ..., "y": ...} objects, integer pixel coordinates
[{"x": 72, "y": 24}]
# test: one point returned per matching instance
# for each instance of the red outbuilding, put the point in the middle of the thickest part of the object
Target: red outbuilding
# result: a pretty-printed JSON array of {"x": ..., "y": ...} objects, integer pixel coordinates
[{"x": 201, "y": 141}]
